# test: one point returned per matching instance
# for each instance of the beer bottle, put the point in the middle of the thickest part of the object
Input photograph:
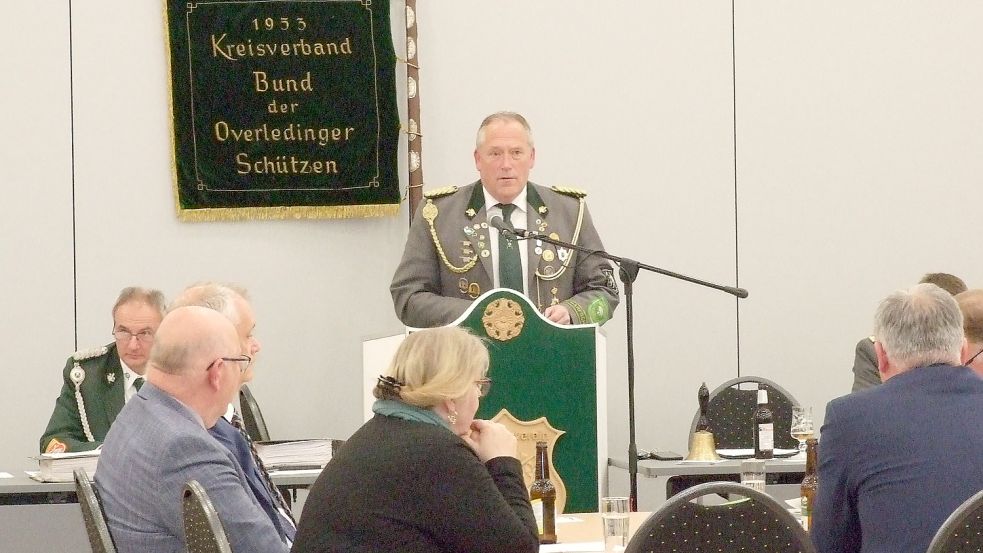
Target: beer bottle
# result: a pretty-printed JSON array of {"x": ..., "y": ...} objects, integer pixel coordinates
[
  {"x": 543, "y": 497},
  {"x": 764, "y": 427},
  {"x": 810, "y": 483}
]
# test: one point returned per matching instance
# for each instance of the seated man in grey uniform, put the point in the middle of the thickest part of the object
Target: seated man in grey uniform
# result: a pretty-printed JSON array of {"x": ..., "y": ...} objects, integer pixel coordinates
[
  {"x": 97, "y": 382},
  {"x": 160, "y": 441},
  {"x": 865, "y": 374},
  {"x": 453, "y": 254}
]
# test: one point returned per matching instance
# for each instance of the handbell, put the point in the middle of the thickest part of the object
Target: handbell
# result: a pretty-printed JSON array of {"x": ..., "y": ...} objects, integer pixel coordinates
[{"x": 702, "y": 447}]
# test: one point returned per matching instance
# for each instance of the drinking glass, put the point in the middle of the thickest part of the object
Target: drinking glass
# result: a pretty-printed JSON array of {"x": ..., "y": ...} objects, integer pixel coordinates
[
  {"x": 802, "y": 428},
  {"x": 614, "y": 517}
]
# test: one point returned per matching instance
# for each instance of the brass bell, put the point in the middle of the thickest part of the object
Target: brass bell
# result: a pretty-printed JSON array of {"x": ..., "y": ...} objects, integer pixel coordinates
[
  {"x": 701, "y": 444},
  {"x": 702, "y": 447}
]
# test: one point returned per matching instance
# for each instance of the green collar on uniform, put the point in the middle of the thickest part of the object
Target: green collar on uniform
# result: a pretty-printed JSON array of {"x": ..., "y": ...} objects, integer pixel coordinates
[
  {"x": 477, "y": 201},
  {"x": 534, "y": 201}
]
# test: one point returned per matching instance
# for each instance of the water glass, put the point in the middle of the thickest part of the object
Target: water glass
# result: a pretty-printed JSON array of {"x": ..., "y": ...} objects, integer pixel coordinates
[
  {"x": 614, "y": 518},
  {"x": 753, "y": 474},
  {"x": 802, "y": 428}
]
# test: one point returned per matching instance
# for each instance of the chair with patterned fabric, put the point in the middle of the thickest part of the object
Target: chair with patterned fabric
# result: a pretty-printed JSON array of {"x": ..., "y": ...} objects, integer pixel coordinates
[
  {"x": 252, "y": 416},
  {"x": 731, "y": 408},
  {"x": 961, "y": 532},
  {"x": 203, "y": 530},
  {"x": 96, "y": 527},
  {"x": 753, "y": 524}
]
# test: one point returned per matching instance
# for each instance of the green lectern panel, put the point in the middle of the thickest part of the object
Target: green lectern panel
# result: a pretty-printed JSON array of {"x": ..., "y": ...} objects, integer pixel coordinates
[{"x": 547, "y": 371}]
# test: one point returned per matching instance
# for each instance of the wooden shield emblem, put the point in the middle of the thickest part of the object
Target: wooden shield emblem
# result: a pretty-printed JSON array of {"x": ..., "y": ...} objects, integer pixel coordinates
[{"x": 528, "y": 433}]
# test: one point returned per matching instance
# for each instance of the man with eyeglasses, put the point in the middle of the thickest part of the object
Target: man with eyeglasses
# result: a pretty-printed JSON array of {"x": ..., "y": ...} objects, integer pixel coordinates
[
  {"x": 99, "y": 381},
  {"x": 971, "y": 304},
  {"x": 233, "y": 303},
  {"x": 454, "y": 252},
  {"x": 160, "y": 442}
]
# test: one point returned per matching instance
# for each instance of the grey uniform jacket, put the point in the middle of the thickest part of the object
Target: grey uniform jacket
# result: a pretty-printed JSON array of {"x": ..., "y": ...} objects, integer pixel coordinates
[{"x": 447, "y": 263}]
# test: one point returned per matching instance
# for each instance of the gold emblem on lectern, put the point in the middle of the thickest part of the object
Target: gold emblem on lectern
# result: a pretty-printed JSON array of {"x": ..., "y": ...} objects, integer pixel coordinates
[
  {"x": 503, "y": 319},
  {"x": 528, "y": 433}
]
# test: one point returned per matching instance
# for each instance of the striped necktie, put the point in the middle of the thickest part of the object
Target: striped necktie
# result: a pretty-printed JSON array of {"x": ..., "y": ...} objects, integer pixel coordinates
[{"x": 270, "y": 486}]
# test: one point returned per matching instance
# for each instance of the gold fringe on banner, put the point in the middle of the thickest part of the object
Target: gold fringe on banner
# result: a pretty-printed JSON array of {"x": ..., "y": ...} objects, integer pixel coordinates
[{"x": 287, "y": 212}]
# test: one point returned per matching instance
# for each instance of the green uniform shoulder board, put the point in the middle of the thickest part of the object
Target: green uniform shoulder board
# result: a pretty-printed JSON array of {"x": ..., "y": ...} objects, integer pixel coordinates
[
  {"x": 439, "y": 192},
  {"x": 568, "y": 191},
  {"x": 83, "y": 354}
]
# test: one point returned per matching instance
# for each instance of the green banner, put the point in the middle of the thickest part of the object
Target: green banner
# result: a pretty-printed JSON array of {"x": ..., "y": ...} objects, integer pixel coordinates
[{"x": 283, "y": 109}]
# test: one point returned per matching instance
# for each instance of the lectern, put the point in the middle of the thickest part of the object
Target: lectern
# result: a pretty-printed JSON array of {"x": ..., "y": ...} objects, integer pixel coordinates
[{"x": 539, "y": 369}]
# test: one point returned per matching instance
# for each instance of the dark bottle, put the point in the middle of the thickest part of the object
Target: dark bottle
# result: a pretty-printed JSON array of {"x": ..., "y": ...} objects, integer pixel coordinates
[
  {"x": 542, "y": 494},
  {"x": 810, "y": 483},
  {"x": 764, "y": 427}
]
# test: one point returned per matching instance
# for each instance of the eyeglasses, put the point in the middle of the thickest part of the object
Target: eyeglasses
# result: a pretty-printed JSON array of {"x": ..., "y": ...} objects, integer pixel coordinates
[
  {"x": 242, "y": 360},
  {"x": 484, "y": 386},
  {"x": 123, "y": 335},
  {"x": 973, "y": 357}
]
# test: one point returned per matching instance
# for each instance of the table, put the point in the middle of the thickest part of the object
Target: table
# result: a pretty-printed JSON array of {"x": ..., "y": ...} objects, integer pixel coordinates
[
  {"x": 681, "y": 474},
  {"x": 588, "y": 528},
  {"x": 22, "y": 490},
  {"x": 45, "y": 516}
]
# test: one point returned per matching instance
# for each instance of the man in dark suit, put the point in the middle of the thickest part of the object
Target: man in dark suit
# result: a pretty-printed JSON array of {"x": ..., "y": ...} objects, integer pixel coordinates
[
  {"x": 895, "y": 460},
  {"x": 160, "y": 441},
  {"x": 100, "y": 380},
  {"x": 453, "y": 254}
]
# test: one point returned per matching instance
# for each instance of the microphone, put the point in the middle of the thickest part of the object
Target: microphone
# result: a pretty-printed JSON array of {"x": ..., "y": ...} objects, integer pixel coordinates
[{"x": 505, "y": 228}]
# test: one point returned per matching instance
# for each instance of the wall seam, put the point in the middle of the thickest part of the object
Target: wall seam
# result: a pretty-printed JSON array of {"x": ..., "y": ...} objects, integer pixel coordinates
[
  {"x": 71, "y": 122},
  {"x": 737, "y": 252}
]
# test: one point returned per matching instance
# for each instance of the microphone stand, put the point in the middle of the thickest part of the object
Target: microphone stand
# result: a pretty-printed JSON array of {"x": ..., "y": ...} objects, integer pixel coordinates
[{"x": 628, "y": 271}]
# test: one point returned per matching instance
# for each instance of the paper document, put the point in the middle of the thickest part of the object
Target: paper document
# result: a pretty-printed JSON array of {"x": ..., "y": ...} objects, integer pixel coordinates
[
  {"x": 592, "y": 546},
  {"x": 58, "y": 467}
]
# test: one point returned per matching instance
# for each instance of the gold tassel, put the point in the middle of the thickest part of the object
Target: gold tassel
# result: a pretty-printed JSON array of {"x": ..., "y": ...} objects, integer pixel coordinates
[{"x": 287, "y": 212}]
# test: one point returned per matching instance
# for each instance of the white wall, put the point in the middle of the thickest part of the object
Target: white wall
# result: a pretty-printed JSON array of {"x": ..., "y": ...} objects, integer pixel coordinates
[{"x": 818, "y": 154}]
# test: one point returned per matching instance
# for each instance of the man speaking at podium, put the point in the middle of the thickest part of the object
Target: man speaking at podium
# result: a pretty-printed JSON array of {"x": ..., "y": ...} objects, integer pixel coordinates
[{"x": 454, "y": 252}]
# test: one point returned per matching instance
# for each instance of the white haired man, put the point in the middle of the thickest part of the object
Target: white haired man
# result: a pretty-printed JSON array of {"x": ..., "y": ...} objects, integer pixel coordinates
[{"x": 897, "y": 459}]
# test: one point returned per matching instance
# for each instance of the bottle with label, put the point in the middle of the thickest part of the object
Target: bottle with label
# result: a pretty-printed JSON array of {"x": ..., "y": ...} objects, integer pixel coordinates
[
  {"x": 810, "y": 483},
  {"x": 764, "y": 427},
  {"x": 542, "y": 494}
]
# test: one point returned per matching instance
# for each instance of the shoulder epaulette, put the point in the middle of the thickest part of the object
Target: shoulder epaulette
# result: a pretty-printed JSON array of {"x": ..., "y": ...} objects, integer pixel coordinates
[
  {"x": 445, "y": 191},
  {"x": 568, "y": 191},
  {"x": 83, "y": 354}
]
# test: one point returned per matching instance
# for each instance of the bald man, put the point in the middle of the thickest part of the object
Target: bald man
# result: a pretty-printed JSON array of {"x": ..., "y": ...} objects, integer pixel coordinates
[{"x": 160, "y": 441}]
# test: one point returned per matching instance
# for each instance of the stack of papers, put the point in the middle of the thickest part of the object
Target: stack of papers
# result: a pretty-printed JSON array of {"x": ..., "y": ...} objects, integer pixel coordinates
[
  {"x": 294, "y": 454},
  {"x": 58, "y": 467},
  {"x": 749, "y": 453}
]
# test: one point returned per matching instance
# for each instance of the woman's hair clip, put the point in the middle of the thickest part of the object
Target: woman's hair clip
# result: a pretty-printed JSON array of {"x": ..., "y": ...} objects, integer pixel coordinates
[{"x": 389, "y": 387}]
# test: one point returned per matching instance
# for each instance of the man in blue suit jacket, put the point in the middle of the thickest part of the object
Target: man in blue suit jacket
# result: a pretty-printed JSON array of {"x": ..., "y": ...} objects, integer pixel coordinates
[
  {"x": 897, "y": 459},
  {"x": 233, "y": 303},
  {"x": 160, "y": 441}
]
